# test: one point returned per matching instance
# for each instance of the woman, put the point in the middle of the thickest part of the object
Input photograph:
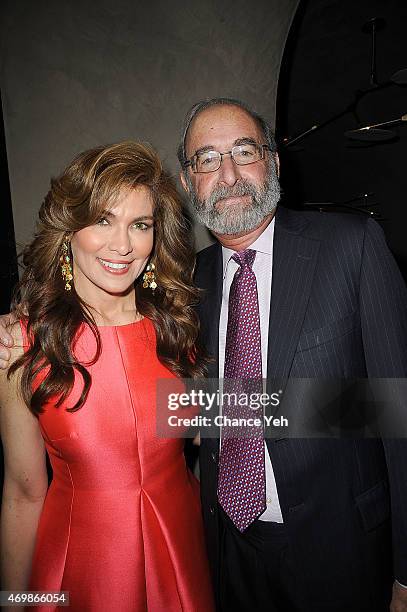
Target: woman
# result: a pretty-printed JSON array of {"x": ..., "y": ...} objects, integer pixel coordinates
[{"x": 107, "y": 309}]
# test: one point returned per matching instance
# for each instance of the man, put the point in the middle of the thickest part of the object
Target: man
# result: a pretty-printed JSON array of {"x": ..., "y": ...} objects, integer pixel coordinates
[
  {"x": 324, "y": 299},
  {"x": 331, "y": 304}
]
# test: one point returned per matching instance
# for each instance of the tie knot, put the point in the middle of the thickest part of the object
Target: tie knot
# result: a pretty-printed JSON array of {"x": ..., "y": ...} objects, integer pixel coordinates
[{"x": 244, "y": 258}]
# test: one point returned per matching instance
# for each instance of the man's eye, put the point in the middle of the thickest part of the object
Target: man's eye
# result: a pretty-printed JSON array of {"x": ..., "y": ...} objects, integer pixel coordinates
[
  {"x": 208, "y": 158},
  {"x": 246, "y": 152}
]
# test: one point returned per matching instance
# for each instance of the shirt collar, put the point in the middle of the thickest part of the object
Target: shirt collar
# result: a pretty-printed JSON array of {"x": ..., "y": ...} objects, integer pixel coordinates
[{"x": 263, "y": 244}]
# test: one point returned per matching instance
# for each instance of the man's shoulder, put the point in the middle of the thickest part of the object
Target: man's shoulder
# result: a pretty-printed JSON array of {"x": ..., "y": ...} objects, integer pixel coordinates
[
  {"x": 211, "y": 251},
  {"x": 322, "y": 224},
  {"x": 207, "y": 258},
  {"x": 327, "y": 227}
]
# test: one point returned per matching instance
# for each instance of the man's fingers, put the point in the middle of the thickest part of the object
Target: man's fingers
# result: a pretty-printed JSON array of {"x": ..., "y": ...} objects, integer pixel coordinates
[
  {"x": 399, "y": 599},
  {"x": 4, "y": 358},
  {"x": 5, "y": 338}
]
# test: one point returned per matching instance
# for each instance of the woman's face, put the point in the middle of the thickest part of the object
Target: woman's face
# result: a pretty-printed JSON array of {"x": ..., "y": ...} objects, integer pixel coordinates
[{"x": 110, "y": 255}]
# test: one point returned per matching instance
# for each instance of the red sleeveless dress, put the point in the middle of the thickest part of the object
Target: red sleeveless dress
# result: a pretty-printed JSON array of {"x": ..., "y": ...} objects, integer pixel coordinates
[{"x": 121, "y": 526}]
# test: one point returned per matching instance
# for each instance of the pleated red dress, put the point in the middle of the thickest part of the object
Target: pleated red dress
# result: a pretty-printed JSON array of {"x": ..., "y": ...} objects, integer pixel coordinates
[{"x": 121, "y": 525}]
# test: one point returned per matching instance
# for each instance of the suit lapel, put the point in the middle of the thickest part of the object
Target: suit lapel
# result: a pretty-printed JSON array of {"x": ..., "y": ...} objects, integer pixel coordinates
[
  {"x": 294, "y": 259},
  {"x": 209, "y": 278}
]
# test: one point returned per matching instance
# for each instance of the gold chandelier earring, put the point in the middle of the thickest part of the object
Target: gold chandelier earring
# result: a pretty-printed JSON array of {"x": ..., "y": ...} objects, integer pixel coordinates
[
  {"x": 66, "y": 267},
  {"x": 149, "y": 278}
]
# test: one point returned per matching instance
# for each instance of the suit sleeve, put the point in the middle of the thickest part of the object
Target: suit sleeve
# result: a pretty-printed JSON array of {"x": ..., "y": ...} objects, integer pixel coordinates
[{"x": 383, "y": 307}]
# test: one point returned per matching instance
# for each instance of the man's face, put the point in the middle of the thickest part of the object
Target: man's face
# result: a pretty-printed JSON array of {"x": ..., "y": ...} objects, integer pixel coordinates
[{"x": 235, "y": 198}]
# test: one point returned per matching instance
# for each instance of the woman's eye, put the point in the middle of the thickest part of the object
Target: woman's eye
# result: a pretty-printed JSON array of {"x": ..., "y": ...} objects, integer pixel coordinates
[
  {"x": 141, "y": 226},
  {"x": 102, "y": 221}
]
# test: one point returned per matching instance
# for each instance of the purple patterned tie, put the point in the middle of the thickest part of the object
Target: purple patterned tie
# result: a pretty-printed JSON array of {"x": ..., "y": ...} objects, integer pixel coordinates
[{"x": 242, "y": 484}]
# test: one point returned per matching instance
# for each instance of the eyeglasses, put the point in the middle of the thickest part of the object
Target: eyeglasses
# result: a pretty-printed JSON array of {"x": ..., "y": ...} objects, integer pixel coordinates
[{"x": 242, "y": 155}]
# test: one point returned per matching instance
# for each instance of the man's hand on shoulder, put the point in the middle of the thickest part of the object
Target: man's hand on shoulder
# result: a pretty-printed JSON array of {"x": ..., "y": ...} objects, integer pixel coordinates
[
  {"x": 6, "y": 340},
  {"x": 399, "y": 598}
]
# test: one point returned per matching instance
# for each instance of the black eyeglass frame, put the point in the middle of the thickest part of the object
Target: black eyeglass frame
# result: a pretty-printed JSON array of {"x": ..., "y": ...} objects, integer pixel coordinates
[{"x": 193, "y": 160}]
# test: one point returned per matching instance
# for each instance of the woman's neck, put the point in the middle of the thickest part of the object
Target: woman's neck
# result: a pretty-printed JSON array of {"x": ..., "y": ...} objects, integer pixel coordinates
[{"x": 110, "y": 309}]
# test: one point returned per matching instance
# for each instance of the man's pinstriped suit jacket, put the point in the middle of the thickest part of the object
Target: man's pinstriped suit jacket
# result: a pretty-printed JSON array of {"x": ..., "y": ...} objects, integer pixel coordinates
[{"x": 338, "y": 310}]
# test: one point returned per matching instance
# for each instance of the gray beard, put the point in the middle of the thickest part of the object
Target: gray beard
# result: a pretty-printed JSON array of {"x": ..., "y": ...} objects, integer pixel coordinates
[{"x": 239, "y": 218}]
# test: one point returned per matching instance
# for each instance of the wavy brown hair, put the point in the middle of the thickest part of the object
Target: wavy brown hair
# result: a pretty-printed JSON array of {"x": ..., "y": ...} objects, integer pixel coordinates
[{"x": 79, "y": 197}]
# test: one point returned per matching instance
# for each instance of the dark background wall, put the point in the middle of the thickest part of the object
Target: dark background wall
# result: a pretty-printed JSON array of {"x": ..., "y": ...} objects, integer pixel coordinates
[
  {"x": 326, "y": 61},
  {"x": 79, "y": 73},
  {"x": 8, "y": 262}
]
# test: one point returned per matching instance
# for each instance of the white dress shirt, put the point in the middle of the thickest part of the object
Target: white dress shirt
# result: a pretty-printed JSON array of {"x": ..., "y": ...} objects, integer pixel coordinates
[{"x": 262, "y": 268}]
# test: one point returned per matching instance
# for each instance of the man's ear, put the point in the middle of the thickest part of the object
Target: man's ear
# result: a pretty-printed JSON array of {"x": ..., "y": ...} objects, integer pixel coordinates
[
  {"x": 184, "y": 181},
  {"x": 277, "y": 160}
]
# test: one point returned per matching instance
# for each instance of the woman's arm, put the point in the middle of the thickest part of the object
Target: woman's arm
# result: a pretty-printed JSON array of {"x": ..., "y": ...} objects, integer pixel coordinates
[{"x": 25, "y": 480}]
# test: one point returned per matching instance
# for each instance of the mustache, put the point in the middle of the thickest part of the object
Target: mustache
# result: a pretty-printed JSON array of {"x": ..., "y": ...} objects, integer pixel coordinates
[{"x": 242, "y": 188}]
